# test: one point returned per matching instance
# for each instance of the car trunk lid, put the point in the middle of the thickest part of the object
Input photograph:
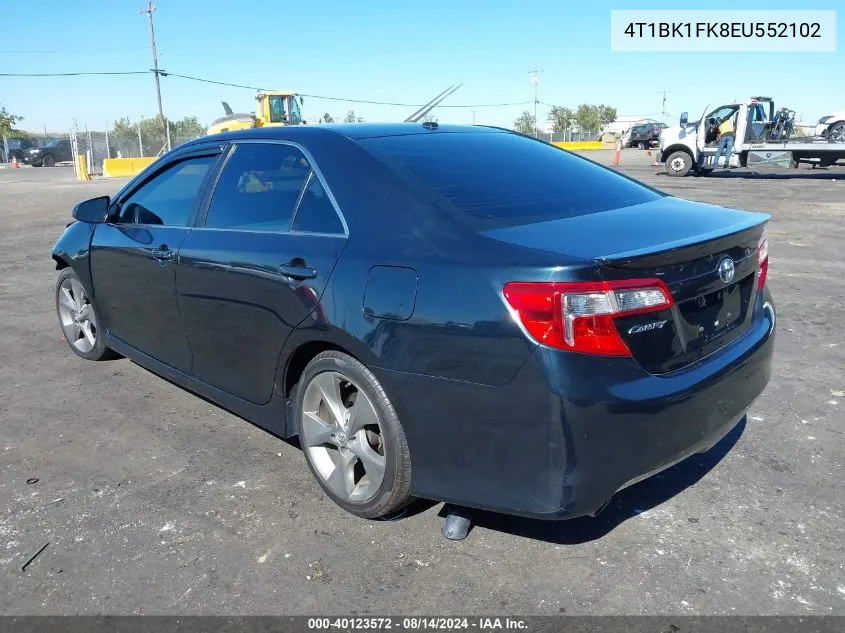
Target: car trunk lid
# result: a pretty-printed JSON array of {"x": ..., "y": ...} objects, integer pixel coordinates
[{"x": 706, "y": 256}]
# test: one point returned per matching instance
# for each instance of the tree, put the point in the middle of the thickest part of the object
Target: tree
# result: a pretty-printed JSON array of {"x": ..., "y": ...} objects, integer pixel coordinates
[
  {"x": 560, "y": 118},
  {"x": 351, "y": 117},
  {"x": 187, "y": 128},
  {"x": 7, "y": 123},
  {"x": 606, "y": 115},
  {"x": 327, "y": 118},
  {"x": 592, "y": 118},
  {"x": 586, "y": 116},
  {"x": 526, "y": 123}
]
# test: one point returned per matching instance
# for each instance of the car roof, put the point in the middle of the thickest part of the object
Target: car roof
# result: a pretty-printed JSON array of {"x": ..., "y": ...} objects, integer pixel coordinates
[{"x": 353, "y": 131}]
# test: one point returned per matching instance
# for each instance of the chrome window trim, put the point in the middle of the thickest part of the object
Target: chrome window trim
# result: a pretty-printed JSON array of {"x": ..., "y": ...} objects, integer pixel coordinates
[{"x": 315, "y": 170}]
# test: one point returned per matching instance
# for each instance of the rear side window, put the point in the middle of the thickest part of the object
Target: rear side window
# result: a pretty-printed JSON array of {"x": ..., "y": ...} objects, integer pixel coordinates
[
  {"x": 316, "y": 213},
  {"x": 491, "y": 180},
  {"x": 258, "y": 188}
]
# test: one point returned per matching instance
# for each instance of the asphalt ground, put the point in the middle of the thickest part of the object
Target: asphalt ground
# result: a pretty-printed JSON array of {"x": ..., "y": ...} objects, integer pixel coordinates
[{"x": 154, "y": 501}]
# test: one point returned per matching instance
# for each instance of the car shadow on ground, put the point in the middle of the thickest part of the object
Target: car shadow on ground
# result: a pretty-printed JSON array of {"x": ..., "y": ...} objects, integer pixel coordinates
[
  {"x": 626, "y": 504},
  {"x": 786, "y": 174}
]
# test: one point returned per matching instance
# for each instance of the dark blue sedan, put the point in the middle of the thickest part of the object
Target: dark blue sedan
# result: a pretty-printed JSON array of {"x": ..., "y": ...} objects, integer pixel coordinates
[{"x": 463, "y": 314}]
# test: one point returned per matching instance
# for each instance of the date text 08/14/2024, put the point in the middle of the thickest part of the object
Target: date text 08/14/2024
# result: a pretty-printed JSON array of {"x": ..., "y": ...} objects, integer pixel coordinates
[{"x": 418, "y": 623}]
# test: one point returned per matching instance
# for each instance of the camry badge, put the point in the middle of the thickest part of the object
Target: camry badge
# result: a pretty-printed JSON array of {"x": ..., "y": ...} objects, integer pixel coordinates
[
  {"x": 654, "y": 325},
  {"x": 726, "y": 270}
]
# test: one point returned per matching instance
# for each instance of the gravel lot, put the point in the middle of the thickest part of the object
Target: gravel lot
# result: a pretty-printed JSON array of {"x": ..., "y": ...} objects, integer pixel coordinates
[{"x": 154, "y": 501}]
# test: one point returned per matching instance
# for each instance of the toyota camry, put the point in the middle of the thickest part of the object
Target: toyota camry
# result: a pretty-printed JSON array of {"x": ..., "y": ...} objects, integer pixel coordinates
[{"x": 463, "y": 314}]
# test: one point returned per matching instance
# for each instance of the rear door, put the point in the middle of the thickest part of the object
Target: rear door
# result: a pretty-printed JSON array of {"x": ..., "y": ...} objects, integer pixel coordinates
[
  {"x": 133, "y": 258},
  {"x": 256, "y": 265}
]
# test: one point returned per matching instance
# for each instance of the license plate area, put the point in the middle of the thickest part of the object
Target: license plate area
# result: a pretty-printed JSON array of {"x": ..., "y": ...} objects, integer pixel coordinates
[{"x": 711, "y": 316}]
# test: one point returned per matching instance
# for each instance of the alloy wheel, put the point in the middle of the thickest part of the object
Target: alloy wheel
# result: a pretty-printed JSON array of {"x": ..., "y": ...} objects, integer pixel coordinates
[
  {"x": 76, "y": 314},
  {"x": 340, "y": 430}
]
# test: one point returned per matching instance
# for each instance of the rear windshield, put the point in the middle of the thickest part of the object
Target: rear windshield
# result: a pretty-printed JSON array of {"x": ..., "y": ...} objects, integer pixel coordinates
[{"x": 492, "y": 180}]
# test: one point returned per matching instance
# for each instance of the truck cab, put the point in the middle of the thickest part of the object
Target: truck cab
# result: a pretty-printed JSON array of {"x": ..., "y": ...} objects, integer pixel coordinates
[{"x": 691, "y": 145}]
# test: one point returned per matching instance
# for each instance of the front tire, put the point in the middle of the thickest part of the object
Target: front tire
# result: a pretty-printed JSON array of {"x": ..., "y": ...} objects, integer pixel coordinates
[
  {"x": 78, "y": 319},
  {"x": 48, "y": 161},
  {"x": 351, "y": 437},
  {"x": 679, "y": 163}
]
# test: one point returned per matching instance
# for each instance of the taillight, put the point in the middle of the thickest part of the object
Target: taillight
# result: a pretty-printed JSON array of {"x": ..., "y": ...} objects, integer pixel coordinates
[
  {"x": 578, "y": 316},
  {"x": 762, "y": 260}
]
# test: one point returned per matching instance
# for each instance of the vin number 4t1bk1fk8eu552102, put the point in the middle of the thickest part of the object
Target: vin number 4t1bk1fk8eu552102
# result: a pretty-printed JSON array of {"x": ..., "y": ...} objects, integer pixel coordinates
[{"x": 462, "y": 314}]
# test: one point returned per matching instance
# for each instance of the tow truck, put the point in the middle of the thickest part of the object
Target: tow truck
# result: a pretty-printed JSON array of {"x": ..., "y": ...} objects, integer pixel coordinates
[{"x": 691, "y": 146}]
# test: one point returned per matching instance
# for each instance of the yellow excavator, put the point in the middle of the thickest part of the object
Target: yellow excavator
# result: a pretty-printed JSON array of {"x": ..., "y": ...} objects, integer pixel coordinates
[{"x": 276, "y": 108}]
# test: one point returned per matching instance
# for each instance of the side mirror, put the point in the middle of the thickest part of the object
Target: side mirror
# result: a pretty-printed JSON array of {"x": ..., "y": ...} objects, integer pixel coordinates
[
  {"x": 684, "y": 118},
  {"x": 94, "y": 210}
]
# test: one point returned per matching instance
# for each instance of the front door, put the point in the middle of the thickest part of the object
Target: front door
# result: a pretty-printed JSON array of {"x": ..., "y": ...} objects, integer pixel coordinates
[
  {"x": 133, "y": 260},
  {"x": 257, "y": 266}
]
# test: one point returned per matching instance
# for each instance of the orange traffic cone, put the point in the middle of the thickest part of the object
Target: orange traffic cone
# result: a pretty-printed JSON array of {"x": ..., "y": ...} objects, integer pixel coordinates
[
  {"x": 617, "y": 157},
  {"x": 15, "y": 163}
]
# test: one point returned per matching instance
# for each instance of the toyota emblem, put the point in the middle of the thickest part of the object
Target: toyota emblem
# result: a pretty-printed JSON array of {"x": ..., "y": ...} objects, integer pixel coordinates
[{"x": 726, "y": 270}]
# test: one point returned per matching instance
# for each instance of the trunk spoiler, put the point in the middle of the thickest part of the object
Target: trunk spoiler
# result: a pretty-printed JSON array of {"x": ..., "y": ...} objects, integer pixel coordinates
[{"x": 698, "y": 245}]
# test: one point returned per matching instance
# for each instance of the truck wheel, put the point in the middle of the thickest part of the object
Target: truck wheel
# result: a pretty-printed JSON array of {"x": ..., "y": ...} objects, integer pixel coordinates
[
  {"x": 48, "y": 161},
  {"x": 679, "y": 163}
]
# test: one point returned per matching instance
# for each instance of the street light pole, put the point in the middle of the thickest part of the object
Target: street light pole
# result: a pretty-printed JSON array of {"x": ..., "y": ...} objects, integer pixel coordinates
[{"x": 149, "y": 11}]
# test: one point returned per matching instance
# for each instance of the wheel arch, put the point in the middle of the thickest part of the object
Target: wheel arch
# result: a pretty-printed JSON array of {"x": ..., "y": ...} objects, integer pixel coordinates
[
  {"x": 61, "y": 262},
  {"x": 677, "y": 147}
]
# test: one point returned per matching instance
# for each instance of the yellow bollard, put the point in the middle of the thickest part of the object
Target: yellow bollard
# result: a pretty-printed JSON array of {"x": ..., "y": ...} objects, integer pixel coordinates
[{"x": 82, "y": 167}]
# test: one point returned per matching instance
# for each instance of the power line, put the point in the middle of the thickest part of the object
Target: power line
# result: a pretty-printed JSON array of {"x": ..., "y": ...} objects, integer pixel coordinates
[
  {"x": 60, "y": 52},
  {"x": 164, "y": 73},
  {"x": 126, "y": 72}
]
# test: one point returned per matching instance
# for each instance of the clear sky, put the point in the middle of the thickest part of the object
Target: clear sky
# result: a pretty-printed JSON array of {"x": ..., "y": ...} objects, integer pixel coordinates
[{"x": 382, "y": 50}]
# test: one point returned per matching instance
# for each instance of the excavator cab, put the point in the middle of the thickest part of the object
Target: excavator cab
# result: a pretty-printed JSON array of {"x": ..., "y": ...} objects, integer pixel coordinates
[{"x": 278, "y": 108}]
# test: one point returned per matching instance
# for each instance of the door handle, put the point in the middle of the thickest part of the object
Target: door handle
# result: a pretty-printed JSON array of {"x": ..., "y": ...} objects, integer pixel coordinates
[
  {"x": 163, "y": 253},
  {"x": 297, "y": 269}
]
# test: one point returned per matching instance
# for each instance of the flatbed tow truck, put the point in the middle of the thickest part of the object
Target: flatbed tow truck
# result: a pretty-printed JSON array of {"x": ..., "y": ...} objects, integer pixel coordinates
[{"x": 691, "y": 146}]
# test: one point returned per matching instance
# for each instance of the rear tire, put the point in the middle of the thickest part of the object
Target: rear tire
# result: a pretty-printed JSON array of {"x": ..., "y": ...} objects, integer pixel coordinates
[
  {"x": 679, "y": 163},
  {"x": 836, "y": 132},
  {"x": 351, "y": 436}
]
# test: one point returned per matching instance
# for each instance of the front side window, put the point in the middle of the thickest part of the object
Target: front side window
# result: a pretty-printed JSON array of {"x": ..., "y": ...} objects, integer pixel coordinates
[
  {"x": 168, "y": 199},
  {"x": 277, "y": 109},
  {"x": 723, "y": 113},
  {"x": 295, "y": 113},
  {"x": 258, "y": 188}
]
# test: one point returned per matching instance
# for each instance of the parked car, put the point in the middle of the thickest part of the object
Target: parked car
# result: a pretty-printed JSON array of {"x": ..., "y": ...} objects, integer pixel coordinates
[
  {"x": 18, "y": 148},
  {"x": 832, "y": 126},
  {"x": 458, "y": 313},
  {"x": 645, "y": 135},
  {"x": 58, "y": 151}
]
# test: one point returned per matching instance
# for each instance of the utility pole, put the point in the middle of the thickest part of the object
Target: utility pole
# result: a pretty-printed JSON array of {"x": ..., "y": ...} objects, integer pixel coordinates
[
  {"x": 663, "y": 106},
  {"x": 149, "y": 11},
  {"x": 535, "y": 80}
]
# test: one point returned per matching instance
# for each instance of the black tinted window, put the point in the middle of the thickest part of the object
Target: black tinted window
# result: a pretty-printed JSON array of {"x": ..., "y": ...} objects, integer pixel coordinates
[
  {"x": 168, "y": 198},
  {"x": 315, "y": 213},
  {"x": 258, "y": 188},
  {"x": 489, "y": 180}
]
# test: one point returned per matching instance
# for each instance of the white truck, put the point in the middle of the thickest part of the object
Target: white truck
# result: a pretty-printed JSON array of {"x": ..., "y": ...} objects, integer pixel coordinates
[{"x": 691, "y": 146}]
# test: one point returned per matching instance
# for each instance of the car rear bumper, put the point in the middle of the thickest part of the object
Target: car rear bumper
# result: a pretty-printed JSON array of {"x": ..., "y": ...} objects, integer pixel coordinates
[{"x": 572, "y": 429}]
